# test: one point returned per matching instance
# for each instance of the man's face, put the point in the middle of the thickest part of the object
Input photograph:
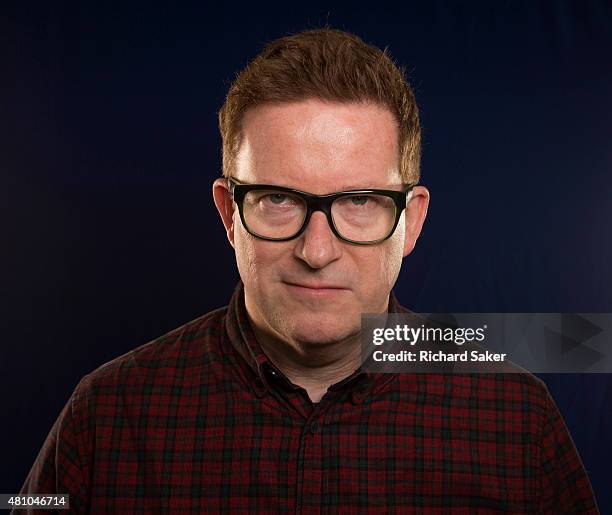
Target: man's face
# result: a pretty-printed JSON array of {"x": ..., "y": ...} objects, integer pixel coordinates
[{"x": 314, "y": 288}]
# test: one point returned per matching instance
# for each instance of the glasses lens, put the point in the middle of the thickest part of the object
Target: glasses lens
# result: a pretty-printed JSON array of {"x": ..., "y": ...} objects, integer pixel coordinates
[
  {"x": 273, "y": 214},
  {"x": 364, "y": 218}
]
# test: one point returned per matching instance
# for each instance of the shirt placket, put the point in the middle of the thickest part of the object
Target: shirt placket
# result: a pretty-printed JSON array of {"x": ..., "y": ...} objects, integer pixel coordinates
[
  {"x": 309, "y": 495},
  {"x": 312, "y": 477},
  {"x": 309, "y": 487}
]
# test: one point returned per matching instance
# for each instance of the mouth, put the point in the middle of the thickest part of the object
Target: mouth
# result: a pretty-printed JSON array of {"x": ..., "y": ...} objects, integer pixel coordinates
[{"x": 320, "y": 290}]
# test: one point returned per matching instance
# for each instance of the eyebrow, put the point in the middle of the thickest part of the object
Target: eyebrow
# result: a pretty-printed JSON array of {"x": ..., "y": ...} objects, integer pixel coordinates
[{"x": 350, "y": 187}]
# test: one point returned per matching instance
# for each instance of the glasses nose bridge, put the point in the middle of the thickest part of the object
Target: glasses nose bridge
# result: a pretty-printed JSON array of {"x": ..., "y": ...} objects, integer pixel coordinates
[{"x": 321, "y": 203}]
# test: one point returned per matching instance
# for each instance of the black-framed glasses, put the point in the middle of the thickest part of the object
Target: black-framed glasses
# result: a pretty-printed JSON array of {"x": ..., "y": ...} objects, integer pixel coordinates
[{"x": 360, "y": 217}]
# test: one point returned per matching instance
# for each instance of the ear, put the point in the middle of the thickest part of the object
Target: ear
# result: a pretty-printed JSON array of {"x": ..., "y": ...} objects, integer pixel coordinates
[
  {"x": 416, "y": 211},
  {"x": 225, "y": 206}
]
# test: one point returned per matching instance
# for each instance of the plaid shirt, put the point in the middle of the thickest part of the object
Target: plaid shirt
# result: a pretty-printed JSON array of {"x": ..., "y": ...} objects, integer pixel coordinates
[{"x": 199, "y": 420}]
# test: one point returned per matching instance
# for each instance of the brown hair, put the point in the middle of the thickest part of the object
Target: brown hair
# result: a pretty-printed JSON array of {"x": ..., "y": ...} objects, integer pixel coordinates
[{"x": 326, "y": 64}]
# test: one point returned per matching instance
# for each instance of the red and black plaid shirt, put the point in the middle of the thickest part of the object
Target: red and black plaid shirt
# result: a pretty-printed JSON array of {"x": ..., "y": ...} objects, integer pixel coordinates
[{"x": 199, "y": 420}]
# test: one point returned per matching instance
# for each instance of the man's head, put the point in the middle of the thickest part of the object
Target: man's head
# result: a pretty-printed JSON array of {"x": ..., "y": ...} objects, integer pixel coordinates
[
  {"x": 319, "y": 112},
  {"x": 329, "y": 65}
]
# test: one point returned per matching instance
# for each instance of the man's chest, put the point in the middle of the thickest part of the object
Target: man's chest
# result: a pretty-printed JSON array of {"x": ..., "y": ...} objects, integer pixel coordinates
[{"x": 234, "y": 452}]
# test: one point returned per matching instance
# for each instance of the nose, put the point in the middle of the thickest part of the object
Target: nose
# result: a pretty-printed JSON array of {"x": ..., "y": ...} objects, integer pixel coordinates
[{"x": 318, "y": 246}]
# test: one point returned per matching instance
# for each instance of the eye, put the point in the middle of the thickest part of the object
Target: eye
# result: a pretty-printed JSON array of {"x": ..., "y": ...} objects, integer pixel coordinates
[
  {"x": 277, "y": 198},
  {"x": 359, "y": 200}
]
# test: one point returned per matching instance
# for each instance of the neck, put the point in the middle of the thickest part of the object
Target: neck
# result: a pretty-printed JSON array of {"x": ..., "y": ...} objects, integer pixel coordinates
[{"x": 314, "y": 367}]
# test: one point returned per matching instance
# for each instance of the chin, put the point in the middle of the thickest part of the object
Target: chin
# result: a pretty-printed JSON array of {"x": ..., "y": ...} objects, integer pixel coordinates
[{"x": 321, "y": 329}]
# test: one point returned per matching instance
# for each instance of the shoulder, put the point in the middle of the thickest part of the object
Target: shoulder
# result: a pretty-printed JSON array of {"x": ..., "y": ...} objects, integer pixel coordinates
[
  {"x": 190, "y": 346},
  {"x": 504, "y": 385},
  {"x": 514, "y": 399}
]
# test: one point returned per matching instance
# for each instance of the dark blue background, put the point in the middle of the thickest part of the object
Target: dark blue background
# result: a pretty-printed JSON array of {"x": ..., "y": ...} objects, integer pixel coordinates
[{"x": 109, "y": 145}]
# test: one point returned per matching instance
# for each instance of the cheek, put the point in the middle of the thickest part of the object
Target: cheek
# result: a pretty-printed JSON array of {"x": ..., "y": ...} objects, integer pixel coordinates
[
  {"x": 245, "y": 252},
  {"x": 378, "y": 271},
  {"x": 254, "y": 257},
  {"x": 391, "y": 256}
]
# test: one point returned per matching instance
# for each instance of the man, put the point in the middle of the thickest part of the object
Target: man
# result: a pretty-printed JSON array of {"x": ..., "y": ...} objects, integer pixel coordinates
[{"x": 263, "y": 406}]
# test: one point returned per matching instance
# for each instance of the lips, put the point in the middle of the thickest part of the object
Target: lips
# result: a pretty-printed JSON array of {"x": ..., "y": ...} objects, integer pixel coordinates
[{"x": 317, "y": 286}]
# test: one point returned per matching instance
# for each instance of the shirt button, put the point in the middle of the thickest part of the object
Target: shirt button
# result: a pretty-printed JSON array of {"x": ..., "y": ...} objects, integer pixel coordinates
[
  {"x": 358, "y": 395},
  {"x": 260, "y": 387},
  {"x": 314, "y": 427}
]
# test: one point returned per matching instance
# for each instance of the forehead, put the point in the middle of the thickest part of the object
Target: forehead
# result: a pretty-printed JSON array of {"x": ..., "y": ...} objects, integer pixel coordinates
[{"x": 320, "y": 146}]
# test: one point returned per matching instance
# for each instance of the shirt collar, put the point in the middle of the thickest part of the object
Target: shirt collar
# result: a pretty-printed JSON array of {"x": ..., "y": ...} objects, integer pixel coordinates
[{"x": 242, "y": 338}]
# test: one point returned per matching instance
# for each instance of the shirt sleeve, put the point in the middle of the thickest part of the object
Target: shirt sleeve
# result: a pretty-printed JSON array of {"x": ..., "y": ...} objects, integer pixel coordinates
[
  {"x": 564, "y": 484},
  {"x": 62, "y": 465}
]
